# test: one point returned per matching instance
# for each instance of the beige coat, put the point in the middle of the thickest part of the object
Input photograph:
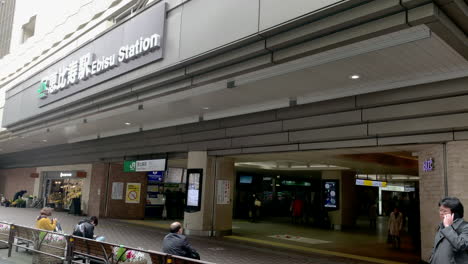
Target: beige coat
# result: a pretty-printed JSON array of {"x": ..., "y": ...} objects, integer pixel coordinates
[{"x": 395, "y": 224}]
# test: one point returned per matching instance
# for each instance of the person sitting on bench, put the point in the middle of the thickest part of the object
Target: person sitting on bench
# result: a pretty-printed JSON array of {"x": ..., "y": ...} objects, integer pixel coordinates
[{"x": 85, "y": 228}]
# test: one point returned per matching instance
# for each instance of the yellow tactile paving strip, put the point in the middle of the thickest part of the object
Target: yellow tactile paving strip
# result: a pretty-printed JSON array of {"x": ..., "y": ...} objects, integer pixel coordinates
[{"x": 146, "y": 223}]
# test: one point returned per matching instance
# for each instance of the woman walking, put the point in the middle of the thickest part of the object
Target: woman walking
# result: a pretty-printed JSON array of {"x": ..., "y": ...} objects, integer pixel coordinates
[{"x": 395, "y": 225}]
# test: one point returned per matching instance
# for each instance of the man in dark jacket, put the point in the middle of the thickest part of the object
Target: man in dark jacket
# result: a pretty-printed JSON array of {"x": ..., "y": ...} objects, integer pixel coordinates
[
  {"x": 85, "y": 228},
  {"x": 451, "y": 240},
  {"x": 176, "y": 244}
]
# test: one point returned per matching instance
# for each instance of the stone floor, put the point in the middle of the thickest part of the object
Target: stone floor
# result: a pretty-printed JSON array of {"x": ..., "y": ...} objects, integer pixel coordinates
[{"x": 246, "y": 246}]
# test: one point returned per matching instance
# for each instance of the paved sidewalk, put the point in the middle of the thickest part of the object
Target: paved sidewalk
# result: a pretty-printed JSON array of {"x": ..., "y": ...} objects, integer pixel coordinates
[
  {"x": 211, "y": 249},
  {"x": 17, "y": 258}
]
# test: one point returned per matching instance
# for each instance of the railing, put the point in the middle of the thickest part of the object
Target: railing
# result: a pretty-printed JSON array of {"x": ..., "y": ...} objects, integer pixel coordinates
[{"x": 52, "y": 247}]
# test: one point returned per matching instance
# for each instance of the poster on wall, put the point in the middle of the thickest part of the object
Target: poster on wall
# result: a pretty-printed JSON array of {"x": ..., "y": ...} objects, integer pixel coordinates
[
  {"x": 223, "y": 192},
  {"x": 132, "y": 195},
  {"x": 194, "y": 189},
  {"x": 117, "y": 190},
  {"x": 331, "y": 194}
]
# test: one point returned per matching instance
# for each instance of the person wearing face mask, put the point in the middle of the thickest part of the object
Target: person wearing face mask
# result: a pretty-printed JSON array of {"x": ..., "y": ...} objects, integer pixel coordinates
[{"x": 451, "y": 239}]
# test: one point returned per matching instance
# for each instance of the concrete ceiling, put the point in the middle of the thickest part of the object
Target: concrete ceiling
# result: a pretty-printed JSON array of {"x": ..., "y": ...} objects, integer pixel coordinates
[
  {"x": 399, "y": 59},
  {"x": 390, "y": 161},
  {"x": 398, "y": 160}
]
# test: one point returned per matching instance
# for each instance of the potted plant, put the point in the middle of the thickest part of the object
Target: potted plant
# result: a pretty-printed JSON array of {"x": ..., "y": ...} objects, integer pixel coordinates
[
  {"x": 122, "y": 255},
  {"x": 4, "y": 234},
  {"x": 19, "y": 203},
  {"x": 54, "y": 244},
  {"x": 4, "y": 229}
]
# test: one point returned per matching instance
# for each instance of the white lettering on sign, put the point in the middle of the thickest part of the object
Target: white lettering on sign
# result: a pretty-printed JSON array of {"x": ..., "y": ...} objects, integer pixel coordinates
[
  {"x": 151, "y": 165},
  {"x": 88, "y": 65},
  {"x": 65, "y": 174},
  {"x": 428, "y": 165},
  {"x": 140, "y": 47}
]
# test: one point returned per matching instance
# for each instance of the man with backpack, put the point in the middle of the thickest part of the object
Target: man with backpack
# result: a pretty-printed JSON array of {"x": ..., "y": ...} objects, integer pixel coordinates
[{"x": 85, "y": 228}]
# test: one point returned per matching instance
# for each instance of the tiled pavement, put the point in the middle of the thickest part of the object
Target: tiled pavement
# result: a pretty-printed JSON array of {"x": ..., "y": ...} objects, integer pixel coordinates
[{"x": 211, "y": 249}]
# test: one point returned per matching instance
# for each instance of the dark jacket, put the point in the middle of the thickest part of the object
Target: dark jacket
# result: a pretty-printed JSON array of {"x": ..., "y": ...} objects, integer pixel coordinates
[
  {"x": 451, "y": 244},
  {"x": 176, "y": 244},
  {"x": 84, "y": 229}
]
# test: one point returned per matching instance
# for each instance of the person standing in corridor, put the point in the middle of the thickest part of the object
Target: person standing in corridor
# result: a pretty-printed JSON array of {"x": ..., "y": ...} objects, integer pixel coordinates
[
  {"x": 395, "y": 225},
  {"x": 451, "y": 239}
]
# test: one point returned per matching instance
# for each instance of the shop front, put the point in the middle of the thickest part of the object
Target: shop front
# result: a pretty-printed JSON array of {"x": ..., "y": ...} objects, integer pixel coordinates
[{"x": 62, "y": 190}]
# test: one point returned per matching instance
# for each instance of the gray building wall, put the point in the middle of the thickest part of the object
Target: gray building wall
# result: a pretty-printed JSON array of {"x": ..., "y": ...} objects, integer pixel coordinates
[
  {"x": 7, "y": 12},
  {"x": 430, "y": 113},
  {"x": 232, "y": 38}
]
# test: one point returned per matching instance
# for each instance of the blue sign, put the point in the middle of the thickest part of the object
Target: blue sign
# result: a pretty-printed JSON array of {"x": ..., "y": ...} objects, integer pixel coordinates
[
  {"x": 155, "y": 177},
  {"x": 428, "y": 165}
]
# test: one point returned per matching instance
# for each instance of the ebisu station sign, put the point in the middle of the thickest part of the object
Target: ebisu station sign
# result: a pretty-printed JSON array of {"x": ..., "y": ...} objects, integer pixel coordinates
[{"x": 132, "y": 44}]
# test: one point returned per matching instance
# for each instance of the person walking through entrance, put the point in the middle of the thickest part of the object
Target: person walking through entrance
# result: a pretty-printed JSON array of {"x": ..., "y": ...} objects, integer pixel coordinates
[
  {"x": 373, "y": 216},
  {"x": 297, "y": 207},
  {"x": 175, "y": 243},
  {"x": 395, "y": 225},
  {"x": 254, "y": 208},
  {"x": 451, "y": 239}
]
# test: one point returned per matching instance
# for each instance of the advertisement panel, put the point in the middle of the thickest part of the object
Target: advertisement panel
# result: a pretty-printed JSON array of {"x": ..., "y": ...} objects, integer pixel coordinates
[
  {"x": 331, "y": 192},
  {"x": 194, "y": 189}
]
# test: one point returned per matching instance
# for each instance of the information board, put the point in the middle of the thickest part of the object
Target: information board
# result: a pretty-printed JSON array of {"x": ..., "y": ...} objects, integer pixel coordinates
[{"x": 194, "y": 189}]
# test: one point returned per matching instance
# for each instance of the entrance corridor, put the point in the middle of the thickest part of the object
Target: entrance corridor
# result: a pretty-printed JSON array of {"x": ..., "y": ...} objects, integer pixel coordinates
[
  {"x": 361, "y": 243},
  {"x": 149, "y": 235}
]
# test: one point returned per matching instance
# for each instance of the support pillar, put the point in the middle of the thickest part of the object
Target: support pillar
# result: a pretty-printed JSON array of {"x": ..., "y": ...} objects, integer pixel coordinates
[
  {"x": 345, "y": 215},
  {"x": 443, "y": 171},
  {"x": 215, "y": 215}
]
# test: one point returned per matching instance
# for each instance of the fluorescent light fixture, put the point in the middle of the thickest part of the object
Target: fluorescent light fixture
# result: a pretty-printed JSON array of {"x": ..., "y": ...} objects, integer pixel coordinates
[
  {"x": 44, "y": 140},
  {"x": 127, "y": 123},
  {"x": 371, "y": 183},
  {"x": 205, "y": 108},
  {"x": 354, "y": 77}
]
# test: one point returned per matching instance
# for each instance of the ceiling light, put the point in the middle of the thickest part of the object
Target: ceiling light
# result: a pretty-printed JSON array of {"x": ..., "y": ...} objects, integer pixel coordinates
[
  {"x": 44, "y": 140},
  {"x": 354, "y": 77},
  {"x": 128, "y": 123},
  {"x": 206, "y": 108}
]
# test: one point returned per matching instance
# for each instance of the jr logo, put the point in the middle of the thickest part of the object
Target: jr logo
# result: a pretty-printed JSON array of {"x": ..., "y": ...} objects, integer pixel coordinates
[
  {"x": 428, "y": 165},
  {"x": 133, "y": 165}
]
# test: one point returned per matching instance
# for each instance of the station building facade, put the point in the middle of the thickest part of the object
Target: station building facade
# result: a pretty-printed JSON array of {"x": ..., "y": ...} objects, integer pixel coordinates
[{"x": 206, "y": 80}]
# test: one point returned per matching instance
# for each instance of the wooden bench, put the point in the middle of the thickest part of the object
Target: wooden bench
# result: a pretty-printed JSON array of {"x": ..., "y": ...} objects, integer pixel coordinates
[
  {"x": 92, "y": 250},
  {"x": 157, "y": 258},
  {"x": 182, "y": 260},
  {"x": 25, "y": 236}
]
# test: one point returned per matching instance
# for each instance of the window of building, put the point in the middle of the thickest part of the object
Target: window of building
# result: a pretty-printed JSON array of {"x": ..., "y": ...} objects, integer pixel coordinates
[{"x": 28, "y": 29}]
